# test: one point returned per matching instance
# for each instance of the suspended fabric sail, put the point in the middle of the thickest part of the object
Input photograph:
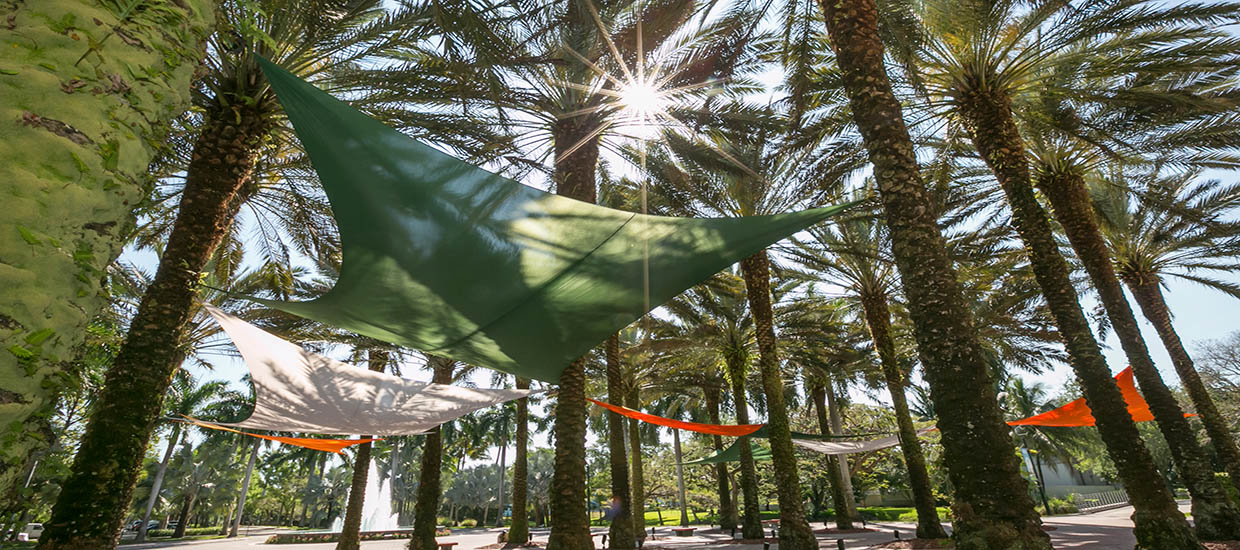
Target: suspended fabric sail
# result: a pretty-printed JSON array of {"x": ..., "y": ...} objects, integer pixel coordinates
[
  {"x": 732, "y": 454},
  {"x": 299, "y": 391},
  {"x": 328, "y": 445},
  {"x": 733, "y": 430},
  {"x": 850, "y": 447},
  {"x": 447, "y": 258},
  {"x": 1077, "y": 413}
]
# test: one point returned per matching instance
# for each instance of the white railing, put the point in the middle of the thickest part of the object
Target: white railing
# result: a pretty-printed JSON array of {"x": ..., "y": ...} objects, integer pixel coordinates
[{"x": 1097, "y": 501}]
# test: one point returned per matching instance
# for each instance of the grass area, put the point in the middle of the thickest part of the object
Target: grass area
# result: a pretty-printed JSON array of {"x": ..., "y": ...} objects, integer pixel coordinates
[
  {"x": 671, "y": 517},
  {"x": 892, "y": 513}
]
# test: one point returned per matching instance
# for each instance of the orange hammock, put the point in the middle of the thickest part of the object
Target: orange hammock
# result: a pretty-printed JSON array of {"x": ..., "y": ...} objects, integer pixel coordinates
[
  {"x": 733, "y": 430},
  {"x": 328, "y": 445},
  {"x": 1077, "y": 413}
]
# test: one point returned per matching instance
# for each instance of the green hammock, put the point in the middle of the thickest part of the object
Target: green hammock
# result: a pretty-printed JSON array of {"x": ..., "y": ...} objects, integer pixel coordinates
[
  {"x": 450, "y": 259},
  {"x": 733, "y": 454}
]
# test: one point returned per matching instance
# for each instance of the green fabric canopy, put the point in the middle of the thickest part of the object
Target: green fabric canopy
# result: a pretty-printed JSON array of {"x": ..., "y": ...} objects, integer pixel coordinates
[
  {"x": 733, "y": 454},
  {"x": 450, "y": 259}
]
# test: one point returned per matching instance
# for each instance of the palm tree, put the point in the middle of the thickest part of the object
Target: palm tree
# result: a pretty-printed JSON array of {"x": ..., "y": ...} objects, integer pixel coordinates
[
  {"x": 742, "y": 171},
  {"x": 426, "y": 511},
  {"x": 241, "y": 121},
  {"x": 621, "y": 530},
  {"x": 520, "y": 530},
  {"x": 993, "y": 508},
  {"x": 974, "y": 64},
  {"x": 853, "y": 254},
  {"x": 350, "y": 533},
  {"x": 186, "y": 397},
  {"x": 88, "y": 106},
  {"x": 1176, "y": 228}
]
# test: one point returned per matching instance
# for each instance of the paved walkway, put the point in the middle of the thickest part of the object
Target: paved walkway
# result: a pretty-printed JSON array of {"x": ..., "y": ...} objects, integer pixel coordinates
[{"x": 1108, "y": 530}]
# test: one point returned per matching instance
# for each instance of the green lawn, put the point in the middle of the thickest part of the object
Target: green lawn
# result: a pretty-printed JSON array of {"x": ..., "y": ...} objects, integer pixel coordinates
[{"x": 671, "y": 517}]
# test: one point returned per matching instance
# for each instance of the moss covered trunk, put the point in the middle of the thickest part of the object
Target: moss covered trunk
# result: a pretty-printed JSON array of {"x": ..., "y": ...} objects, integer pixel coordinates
[
  {"x": 519, "y": 532},
  {"x": 878, "y": 319},
  {"x": 1149, "y": 296},
  {"x": 727, "y": 511},
  {"x": 620, "y": 534},
  {"x": 576, "y": 161},
  {"x": 350, "y": 532},
  {"x": 993, "y": 508},
  {"x": 93, "y": 501},
  {"x": 1215, "y": 516},
  {"x": 426, "y": 505},
  {"x": 85, "y": 100},
  {"x": 995, "y": 135},
  {"x": 751, "y": 519},
  {"x": 818, "y": 392},
  {"x": 794, "y": 530},
  {"x": 638, "y": 507}
]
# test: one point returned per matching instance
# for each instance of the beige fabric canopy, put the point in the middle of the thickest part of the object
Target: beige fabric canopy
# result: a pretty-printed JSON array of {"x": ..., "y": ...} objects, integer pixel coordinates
[
  {"x": 850, "y": 447},
  {"x": 299, "y": 391}
]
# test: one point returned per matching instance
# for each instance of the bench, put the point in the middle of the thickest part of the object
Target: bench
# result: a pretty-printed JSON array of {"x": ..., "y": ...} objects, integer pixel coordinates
[
  {"x": 445, "y": 545},
  {"x": 684, "y": 531}
]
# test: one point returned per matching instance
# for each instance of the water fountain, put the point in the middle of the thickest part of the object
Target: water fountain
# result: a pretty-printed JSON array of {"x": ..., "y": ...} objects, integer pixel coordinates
[{"x": 376, "y": 508}]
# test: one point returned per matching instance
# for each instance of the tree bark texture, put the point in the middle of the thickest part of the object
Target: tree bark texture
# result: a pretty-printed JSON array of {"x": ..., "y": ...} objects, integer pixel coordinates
[
  {"x": 83, "y": 117},
  {"x": 638, "y": 507},
  {"x": 993, "y": 509},
  {"x": 620, "y": 534},
  {"x": 818, "y": 392},
  {"x": 93, "y": 501},
  {"x": 878, "y": 319},
  {"x": 426, "y": 508},
  {"x": 751, "y": 519},
  {"x": 576, "y": 162},
  {"x": 727, "y": 510},
  {"x": 794, "y": 529},
  {"x": 351, "y": 531},
  {"x": 1149, "y": 297},
  {"x": 519, "y": 532},
  {"x": 1159, "y": 524}
]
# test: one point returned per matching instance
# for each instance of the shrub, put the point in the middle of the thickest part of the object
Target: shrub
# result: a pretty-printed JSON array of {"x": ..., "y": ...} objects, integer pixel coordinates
[
  {"x": 1059, "y": 506},
  {"x": 189, "y": 531},
  {"x": 1225, "y": 481},
  {"x": 471, "y": 522}
]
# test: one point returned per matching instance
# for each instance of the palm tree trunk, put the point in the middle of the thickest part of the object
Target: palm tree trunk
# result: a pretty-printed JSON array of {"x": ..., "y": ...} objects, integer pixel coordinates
[
  {"x": 576, "y": 161},
  {"x": 81, "y": 132},
  {"x": 1073, "y": 208},
  {"x": 794, "y": 530},
  {"x": 620, "y": 534},
  {"x": 878, "y": 319},
  {"x": 843, "y": 520},
  {"x": 841, "y": 461},
  {"x": 680, "y": 478},
  {"x": 751, "y": 518},
  {"x": 245, "y": 489},
  {"x": 1159, "y": 523},
  {"x": 499, "y": 494},
  {"x": 1153, "y": 306},
  {"x": 993, "y": 508},
  {"x": 159, "y": 480},
  {"x": 183, "y": 517},
  {"x": 727, "y": 511},
  {"x": 638, "y": 507},
  {"x": 350, "y": 533},
  {"x": 92, "y": 503},
  {"x": 520, "y": 530},
  {"x": 426, "y": 509}
]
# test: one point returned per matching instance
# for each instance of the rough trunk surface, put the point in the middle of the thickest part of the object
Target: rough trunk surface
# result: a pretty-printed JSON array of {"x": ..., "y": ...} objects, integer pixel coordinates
[
  {"x": 426, "y": 507},
  {"x": 995, "y": 135},
  {"x": 751, "y": 519},
  {"x": 1149, "y": 298},
  {"x": 727, "y": 511},
  {"x": 1215, "y": 516},
  {"x": 839, "y": 499},
  {"x": 878, "y": 319},
  {"x": 794, "y": 530},
  {"x": 620, "y": 534},
  {"x": 633, "y": 401},
  {"x": 95, "y": 497},
  {"x": 351, "y": 531},
  {"x": 82, "y": 117},
  {"x": 520, "y": 530},
  {"x": 993, "y": 510}
]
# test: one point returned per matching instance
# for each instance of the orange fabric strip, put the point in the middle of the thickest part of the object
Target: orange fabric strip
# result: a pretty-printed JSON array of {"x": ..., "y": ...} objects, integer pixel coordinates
[
  {"x": 1077, "y": 413},
  {"x": 328, "y": 445},
  {"x": 733, "y": 430}
]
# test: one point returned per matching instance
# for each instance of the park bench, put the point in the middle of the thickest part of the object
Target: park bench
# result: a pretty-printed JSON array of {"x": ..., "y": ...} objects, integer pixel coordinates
[
  {"x": 684, "y": 531},
  {"x": 445, "y": 545}
]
